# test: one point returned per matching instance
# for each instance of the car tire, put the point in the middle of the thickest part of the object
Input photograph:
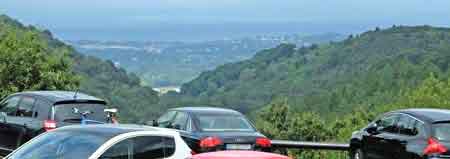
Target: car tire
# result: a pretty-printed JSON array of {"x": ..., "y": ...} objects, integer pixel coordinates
[{"x": 357, "y": 154}]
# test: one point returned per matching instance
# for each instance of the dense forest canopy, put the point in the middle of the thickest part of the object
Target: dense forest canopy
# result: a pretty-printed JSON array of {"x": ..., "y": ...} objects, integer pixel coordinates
[
  {"x": 33, "y": 60},
  {"x": 28, "y": 63},
  {"x": 367, "y": 69}
]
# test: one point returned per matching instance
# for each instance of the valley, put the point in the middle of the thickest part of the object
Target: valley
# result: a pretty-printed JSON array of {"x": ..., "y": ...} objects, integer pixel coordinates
[{"x": 165, "y": 63}]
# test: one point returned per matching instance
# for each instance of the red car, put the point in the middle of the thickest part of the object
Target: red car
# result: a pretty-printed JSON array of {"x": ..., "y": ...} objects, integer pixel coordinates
[{"x": 238, "y": 155}]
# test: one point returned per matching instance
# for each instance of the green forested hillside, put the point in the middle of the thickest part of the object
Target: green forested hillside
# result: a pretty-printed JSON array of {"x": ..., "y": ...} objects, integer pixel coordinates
[
  {"x": 33, "y": 60},
  {"x": 367, "y": 70},
  {"x": 325, "y": 92},
  {"x": 27, "y": 63}
]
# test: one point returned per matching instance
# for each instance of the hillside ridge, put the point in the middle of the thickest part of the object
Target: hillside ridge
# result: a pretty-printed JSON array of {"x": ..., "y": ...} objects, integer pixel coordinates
[{"x": 329, "y": 77}]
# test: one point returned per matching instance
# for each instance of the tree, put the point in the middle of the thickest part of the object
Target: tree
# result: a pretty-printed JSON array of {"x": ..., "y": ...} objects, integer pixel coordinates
[
  {"x": 274, "y": 120},
  {"x": 278, "y": 122},
  {"x": 26, "y": 63},
  {"x": 431, "y": 93}
]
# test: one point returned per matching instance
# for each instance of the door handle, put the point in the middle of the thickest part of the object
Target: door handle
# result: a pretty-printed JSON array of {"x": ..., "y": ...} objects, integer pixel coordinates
[
  {"x": 388, "y": 138},
  {"x": 383, "y": 140}
]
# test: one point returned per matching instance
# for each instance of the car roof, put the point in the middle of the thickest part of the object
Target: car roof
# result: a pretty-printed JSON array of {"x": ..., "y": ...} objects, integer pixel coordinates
[
  {"x": 429, "y": 115},
  {"x": 239, "y": 155},
  {"x": 115, "y": 129},
  {"x": 203, "y": 109},
  {"x": 62, "y": 96}
]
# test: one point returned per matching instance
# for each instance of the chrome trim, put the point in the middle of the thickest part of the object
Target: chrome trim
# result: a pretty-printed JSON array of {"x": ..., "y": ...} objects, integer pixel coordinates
[{"x": 6, "y": 149}]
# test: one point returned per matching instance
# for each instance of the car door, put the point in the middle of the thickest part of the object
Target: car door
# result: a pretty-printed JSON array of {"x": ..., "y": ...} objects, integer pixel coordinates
[
  {"x": 8, "y": 110},
  {"x": 141, "y": 147},
  {"x": 376, "y": 145},
  {"x": 411, "y": 140},
  {"x": 22, "y": 121}
]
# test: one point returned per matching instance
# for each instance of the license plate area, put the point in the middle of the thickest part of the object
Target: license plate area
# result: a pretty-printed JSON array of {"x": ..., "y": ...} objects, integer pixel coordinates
[{"x": 239, "y": 147}]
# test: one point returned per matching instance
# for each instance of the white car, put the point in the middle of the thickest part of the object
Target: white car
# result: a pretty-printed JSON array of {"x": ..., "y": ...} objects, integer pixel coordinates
[{"x": 105, "y": 141}]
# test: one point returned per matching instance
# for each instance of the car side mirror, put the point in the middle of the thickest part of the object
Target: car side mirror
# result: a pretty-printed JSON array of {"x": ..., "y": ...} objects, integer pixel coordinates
[
  {"x": 152, "y": 123},
  {"x": 373, "y": 129},
  {"x": 177, "y": 126}
]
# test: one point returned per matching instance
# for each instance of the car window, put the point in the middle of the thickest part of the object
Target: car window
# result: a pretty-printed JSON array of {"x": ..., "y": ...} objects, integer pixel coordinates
[
  {"x": 121, "y": 150},
  {"x": 223, "y": 122},
  {"x": 180, "y": 121},
  {"x": 388, "y": 124},
  {"x": 153, "y": 147},
  {"x": 441, "y": 131},
  {"x": 169, "y": 146},
  {"x": 406, "y": 125},
  {"x": 42, "y": 109},
  {"x": 25, "y": 108},
  {"x": 142, "y": 147},
  {"x": 66, "y": 144},
  {"x": 67, "y": 113},
  {"x": 419, "y": 129},
  {"x": 10, "y": 106},
  {"x": 165, "y": 119}
]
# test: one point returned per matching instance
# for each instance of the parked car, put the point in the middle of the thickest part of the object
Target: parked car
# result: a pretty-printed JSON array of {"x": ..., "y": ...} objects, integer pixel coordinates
[
  {"x": 238, "y": 155},
  {"x": 105, "y": 141},
  {"x": 208, "y": 129},
  {"x": 404, "y": 134},
  {"x": 28, "y": 114}
]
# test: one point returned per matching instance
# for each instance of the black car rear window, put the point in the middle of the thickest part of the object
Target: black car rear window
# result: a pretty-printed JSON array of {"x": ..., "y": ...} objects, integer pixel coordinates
[
  {"x": 223, "y": 122},
  {"x": 72, "y": 112}
]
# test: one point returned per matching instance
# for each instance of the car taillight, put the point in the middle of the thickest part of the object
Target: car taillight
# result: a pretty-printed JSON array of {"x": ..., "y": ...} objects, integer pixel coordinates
[
  {"x": 210, "y": 142},
  {"x": 49, "y": 125},
  {"x": 434, "y": 147},
  {"x": 263, "y": 142}
]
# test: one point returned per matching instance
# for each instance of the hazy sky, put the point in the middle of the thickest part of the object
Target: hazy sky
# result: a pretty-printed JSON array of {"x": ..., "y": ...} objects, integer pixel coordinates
[{"x": 71, "y": 16}]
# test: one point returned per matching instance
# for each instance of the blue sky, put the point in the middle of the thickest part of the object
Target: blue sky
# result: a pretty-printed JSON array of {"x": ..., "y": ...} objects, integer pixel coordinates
[{"x": 64, "y": 16}]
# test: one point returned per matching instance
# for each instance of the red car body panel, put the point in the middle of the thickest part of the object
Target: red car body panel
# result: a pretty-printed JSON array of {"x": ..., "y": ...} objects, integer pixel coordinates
[{"x": 238, "y": 155}]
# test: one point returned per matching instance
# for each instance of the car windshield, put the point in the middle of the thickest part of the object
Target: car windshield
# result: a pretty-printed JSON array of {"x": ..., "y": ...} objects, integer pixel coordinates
[
  {"x": 72, "y": 112},
  {"x": 225, "y": 122},
  {"x": 441, "y": 131},
  {"x": 62, "y": 145}
]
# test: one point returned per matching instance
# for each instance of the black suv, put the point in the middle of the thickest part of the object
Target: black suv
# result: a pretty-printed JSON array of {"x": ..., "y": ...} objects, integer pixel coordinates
[
  {"x": 404, "y": 134},
  {"x": 28, "y": 114},
  {"x": 210, "y": 129}
]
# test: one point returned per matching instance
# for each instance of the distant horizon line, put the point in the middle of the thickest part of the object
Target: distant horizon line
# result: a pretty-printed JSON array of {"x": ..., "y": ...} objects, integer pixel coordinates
[{"x": 193, "y": 34}]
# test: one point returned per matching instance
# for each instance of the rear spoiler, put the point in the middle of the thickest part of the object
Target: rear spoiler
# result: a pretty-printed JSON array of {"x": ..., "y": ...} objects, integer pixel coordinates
[{"x": 77, "y": 101}]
